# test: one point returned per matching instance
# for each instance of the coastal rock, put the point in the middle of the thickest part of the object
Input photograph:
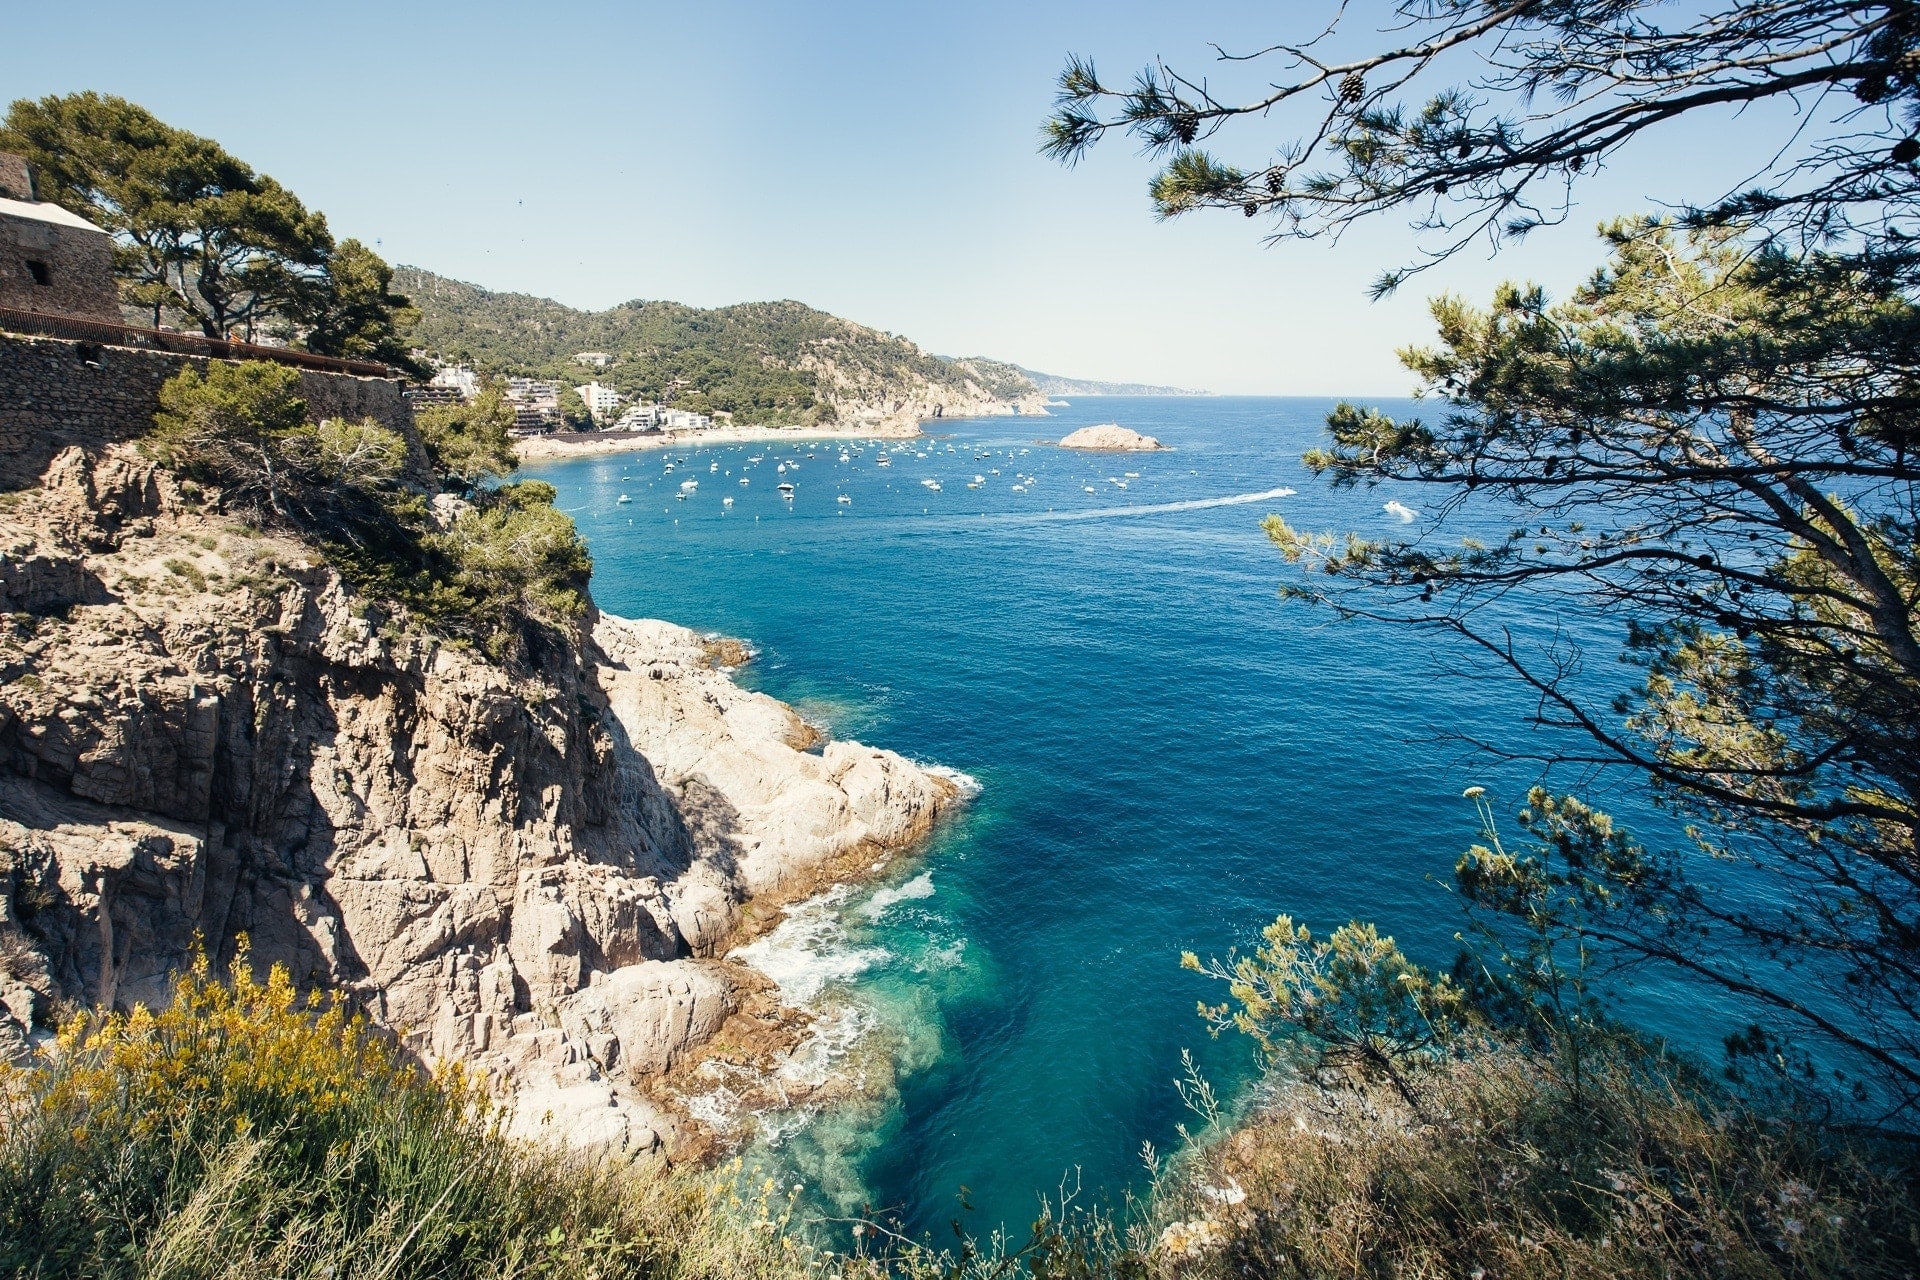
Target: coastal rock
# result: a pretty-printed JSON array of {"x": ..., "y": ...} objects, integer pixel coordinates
[
  {"x": 205, "y": 735},
  {"x": 1110, "y": 436}
]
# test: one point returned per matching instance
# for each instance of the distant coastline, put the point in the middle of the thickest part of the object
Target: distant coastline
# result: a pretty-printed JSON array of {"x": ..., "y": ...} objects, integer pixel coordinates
[
  {"x": 1052, "y": 384},
  {"x": 590, "y": 444}
]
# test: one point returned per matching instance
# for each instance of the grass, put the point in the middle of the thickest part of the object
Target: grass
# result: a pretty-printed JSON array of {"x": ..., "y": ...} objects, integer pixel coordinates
[
  {"x": 1512, "y": 1171},
  {"x": 245, "y": 1133}
]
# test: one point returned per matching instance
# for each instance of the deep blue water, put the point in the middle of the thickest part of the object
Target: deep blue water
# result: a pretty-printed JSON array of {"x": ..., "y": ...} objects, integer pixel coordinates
[{"x": 1168, "y": 756}]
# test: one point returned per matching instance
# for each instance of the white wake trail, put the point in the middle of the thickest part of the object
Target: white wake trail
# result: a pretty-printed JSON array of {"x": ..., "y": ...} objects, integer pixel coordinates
[{"x": 1154, "y": 509}]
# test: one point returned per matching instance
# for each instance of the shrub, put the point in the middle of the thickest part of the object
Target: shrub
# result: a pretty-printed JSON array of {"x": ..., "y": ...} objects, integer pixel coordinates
[
  {"x": 245, "y": 1132},
  {"x": 516, "y": 557},
  {"x": 469, "y": 444},
  {"x": 230, "y": 427},
  {"x": 1513, "y": 1172},
  {"x": 509, "y": 567},
  {"x": 242, "y": 429}
]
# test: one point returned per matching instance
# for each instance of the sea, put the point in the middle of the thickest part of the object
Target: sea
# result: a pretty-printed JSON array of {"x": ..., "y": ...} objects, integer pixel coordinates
[{"x": 1161, "y": 755}]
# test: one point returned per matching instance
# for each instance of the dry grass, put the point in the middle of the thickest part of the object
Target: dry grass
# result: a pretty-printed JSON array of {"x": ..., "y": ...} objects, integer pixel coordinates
[
  {"x": 242, "y": 1134},
  {"x": 1512, "y": 1173}
]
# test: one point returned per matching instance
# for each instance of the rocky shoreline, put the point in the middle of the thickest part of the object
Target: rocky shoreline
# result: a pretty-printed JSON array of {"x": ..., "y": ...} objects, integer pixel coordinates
[{"x": 539, "y": 873}]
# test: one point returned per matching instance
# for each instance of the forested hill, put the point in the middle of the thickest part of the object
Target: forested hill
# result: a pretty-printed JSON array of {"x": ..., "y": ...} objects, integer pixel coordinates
[{"x": 763, "y": 362}]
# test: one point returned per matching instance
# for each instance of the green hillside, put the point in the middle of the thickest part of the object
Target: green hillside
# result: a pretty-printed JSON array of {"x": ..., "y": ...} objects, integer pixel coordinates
[{"x": 765, "y": 362}]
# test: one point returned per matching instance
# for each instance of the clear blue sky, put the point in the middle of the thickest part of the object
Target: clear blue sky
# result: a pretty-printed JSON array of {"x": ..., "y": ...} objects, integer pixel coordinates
[{"x": 874, "y": 159}]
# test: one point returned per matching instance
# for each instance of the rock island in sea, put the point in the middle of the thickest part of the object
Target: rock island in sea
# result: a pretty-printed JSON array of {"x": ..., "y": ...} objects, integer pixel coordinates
[{"x": 1110, "y": 436}]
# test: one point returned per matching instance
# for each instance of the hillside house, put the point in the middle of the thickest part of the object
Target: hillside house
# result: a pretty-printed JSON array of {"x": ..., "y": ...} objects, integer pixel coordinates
[
  {"x": 601, "y": 400},
  {"x": 52, "y": 262}
]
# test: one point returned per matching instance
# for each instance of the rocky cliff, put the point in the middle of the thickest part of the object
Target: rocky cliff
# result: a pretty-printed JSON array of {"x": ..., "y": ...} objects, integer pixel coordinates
[{"x": 205, "y": 736}]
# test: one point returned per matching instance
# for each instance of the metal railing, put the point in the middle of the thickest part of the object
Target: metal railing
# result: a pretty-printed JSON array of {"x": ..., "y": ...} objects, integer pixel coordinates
[{"x": 38, "y": 324}]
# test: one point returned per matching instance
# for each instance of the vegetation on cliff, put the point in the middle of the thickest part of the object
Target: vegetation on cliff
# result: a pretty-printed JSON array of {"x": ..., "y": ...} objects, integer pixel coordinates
[
  {"x": 499, "y": 566},
  {"x": 764, "y": 362},
  {"x": 244, "y": 1131}
]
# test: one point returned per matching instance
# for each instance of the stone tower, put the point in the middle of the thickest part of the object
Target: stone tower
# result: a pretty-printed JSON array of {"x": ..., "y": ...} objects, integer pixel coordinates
[{"x": 52, "y": 262}]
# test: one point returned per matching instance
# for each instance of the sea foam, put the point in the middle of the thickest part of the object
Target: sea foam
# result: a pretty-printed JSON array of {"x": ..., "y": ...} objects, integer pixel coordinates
[{"x": 921, "y": 886}]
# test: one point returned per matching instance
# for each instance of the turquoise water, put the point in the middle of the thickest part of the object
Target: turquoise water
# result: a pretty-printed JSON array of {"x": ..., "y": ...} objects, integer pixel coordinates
[{"x": 1167, "y": 756}]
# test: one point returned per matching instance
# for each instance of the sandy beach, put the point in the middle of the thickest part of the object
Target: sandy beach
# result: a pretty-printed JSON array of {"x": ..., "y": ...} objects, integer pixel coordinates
[{"x": 574, "y": 446}]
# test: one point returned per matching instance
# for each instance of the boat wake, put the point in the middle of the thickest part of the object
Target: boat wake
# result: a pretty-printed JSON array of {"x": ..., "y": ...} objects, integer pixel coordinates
[{"x": 1150, "y": 509}]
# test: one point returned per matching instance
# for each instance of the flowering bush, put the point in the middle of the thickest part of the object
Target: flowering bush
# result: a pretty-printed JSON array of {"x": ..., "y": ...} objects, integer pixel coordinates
[{"x": 246, "y": 1131}]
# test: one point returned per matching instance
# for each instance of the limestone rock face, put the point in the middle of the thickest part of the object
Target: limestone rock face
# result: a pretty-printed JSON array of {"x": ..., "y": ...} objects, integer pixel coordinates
[
  {"x": 204, "y": 733},
  {"x": 1110, "y": 436}
]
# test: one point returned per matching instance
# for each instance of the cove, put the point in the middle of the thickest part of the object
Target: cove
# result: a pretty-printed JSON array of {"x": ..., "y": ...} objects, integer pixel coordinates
[{"x": 1167, "y": 757}]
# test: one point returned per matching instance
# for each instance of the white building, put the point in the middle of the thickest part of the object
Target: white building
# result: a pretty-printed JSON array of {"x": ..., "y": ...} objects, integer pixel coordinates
[
  {"x": 639, "y": 417},
  {"x": 684, "y": 420},
  {"x": 533, "y": 393},
  {"x": 601, "y": 400},
  {"x": 593, "y": 359},
  {"x": 459, "y": 377}
]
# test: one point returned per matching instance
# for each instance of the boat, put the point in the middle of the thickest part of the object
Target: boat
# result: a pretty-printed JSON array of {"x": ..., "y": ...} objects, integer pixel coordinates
[
  {"x": 743, "y": 480},
  {"x": 1019, "y": 488},
  {"x": 713, "y": 468},
  {"x": 934, "y": 485},
  {"x": 625, "y": 498},
  {"x": 786, "y": 490},
  {"x": 688, "y": 486},
  {"x": 726, "y": 502},
  {"x": 845, "y": 501},
  {"x": 883, "y": 461}
]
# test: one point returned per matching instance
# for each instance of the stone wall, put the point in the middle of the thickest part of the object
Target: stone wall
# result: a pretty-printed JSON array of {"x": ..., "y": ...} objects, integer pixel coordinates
[
  {"x": 74, "y": 267},
  {"x": 55, "y": 392},
  {"x": 16, "y": 178}
]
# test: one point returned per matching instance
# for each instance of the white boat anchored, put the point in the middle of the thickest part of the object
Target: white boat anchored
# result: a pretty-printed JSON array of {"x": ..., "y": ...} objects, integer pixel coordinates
[
  {"x": 845, "y": 501},
  {"x": 786, "y": 489},
  {"x": 625, "y": 498}
]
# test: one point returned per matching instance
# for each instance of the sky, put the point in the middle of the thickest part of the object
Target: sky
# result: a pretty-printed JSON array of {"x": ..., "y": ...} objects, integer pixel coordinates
[{"x": 878, "y": 160}]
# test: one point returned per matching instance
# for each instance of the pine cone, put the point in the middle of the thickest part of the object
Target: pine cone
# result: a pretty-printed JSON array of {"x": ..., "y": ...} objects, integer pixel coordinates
[{"x": 1352, "y": 86}]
